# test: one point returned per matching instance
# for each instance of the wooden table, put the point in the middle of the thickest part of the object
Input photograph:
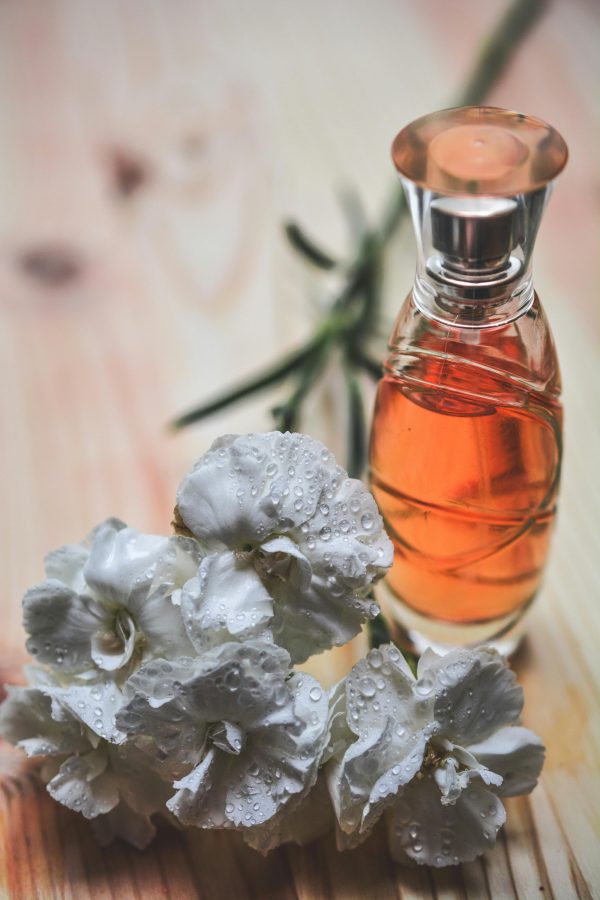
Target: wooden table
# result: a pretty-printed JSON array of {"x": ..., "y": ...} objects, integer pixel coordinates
[{"x": 148, "y": 151}]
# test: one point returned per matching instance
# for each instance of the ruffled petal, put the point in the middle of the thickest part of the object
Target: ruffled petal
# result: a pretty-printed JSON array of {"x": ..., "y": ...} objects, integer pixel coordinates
[
  {"x": 344, "y": 540},
  {"x": 475, "y": 694},
  {"x": 308, "y": 616},
  {"x": 60, "y": 625},
  {"x": 248, "y": 487},
  {"x": 516, "y": 754},
  {"x": 226, "y": 601},
  {"x": 26, "y": 721},
  {"x": 373, "y": 771},
  {"x": 278, "y": 763},
  {"x": 439, "y": 835},
  {"x": 94, "y": 704},
  {"x": 391, "y": 722},
  {"x": 122, "y": 565},
  {"x": 67, "y": 564},
  {"x": 381, "y": 687},
  {"x": 284, "y": 498},
  {"x": 83, "y": 785}
]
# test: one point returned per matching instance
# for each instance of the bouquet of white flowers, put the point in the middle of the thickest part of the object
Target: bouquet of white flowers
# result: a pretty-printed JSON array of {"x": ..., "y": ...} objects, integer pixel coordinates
[{"x": 164, "y": 683}]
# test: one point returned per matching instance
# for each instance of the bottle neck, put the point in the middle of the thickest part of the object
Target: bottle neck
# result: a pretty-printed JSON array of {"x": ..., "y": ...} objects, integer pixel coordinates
[{"x": 474, "y": 303}]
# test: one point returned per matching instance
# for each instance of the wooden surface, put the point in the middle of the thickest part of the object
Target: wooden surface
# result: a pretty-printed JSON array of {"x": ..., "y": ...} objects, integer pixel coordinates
[{"x": 148, "y": 151}]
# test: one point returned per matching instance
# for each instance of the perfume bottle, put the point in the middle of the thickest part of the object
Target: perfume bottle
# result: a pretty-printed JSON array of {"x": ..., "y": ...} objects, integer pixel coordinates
[{"x": 466, "y": 442}]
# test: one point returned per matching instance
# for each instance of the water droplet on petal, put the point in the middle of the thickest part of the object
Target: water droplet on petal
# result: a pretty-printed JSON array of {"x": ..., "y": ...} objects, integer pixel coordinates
[{"x": 367, "y": 521}]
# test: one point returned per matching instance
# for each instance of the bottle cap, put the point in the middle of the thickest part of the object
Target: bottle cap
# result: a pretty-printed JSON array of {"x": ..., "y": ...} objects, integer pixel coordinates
[
  {"x": 479, "y": 150},
  {"x": 477, "y": 179}
]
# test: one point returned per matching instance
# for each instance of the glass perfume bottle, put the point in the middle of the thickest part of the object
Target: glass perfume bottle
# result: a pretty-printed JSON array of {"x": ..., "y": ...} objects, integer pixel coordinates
[{"x": 466, "y": 442}]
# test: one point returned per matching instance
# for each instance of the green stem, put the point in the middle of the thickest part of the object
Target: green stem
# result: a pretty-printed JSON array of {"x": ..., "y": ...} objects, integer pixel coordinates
[
  {"x": 307, "y": 247},
  {"x": 286, "y": 415},
  {"x": 265, "y": 379},
  {"x": 371, "y": 366},
  {"x": 498, "y": 50},
  {"x": 357, "y": 444}
]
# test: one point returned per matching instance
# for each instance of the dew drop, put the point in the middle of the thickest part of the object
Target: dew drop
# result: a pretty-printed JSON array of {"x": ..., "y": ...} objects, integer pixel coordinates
[
  {"x": 367, "y": 687},
  {"x": 367, "y": 521}
]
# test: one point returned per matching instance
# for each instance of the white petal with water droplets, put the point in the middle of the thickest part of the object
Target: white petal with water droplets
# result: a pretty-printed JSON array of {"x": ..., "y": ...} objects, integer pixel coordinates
[
  {"x": 26, "y": 721},
  {"x": 60, "y": 625},
  {"x": 226, "y": 600},
  {"x": 283, "y": 500},
  {"x": 299, "y": 822},
  {"x": 440, "y": 835},
  {"x": 122, "y": 564},
  {"x": 516, "y": 754},
  {"x": 278, "y": 764},
  {"x": 83, "y": 785},
  {"x": 94, "y": 704},
  {"x": 476, "y": 694},
  {"x": 390, "y": 721}
]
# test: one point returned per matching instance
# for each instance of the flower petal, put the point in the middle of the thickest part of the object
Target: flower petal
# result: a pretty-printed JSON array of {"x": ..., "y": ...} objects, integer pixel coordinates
[
  {"x": 227, "y": 600},
  {"x": 122, "y": 565},
  {"x": 391, "y": 723},
  {"x": 381, "y": 687},
  {"x": 83, "y": 784},
  {"x": 516, "y": 754},
  {"x": 250, "y": 486},
  {"x": 476, "y": 693},
  {"x": 66, "y": 565},
  {"x": 308, "y": 618},
  {"x": 443, "y": 835},
  {"x": 345, "y": 541},
  {"x": 95, "y": 704},
  {"x": 26, "y": 721},
  {"x": 284, "y": 496},
  {"x": 60, "y": 625},
  {"x": 278, "y": 763}
]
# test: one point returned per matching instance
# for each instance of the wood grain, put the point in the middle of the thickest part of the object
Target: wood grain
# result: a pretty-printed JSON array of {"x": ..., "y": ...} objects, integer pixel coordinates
[{"x": 124, "y": 298}]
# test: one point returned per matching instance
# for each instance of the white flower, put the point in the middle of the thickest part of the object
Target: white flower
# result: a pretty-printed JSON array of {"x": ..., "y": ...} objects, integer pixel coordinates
[
  {"x": 112, "y": 786},
  {"x": 241, "y": 735},
  {"x": 107, "y": 600},
  {"x": 436, "y": 751},
  {"x": 293, "y": 545}
]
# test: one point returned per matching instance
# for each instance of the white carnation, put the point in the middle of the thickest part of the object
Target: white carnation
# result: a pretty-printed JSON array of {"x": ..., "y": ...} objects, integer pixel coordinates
[
  {"x": 293, "y": 544},
  {"x": 435, "y": 752},
  {"x": 112, "y": 786},
  {"x": 240, "y": 735},
  {"x": 107, "y": 602}
]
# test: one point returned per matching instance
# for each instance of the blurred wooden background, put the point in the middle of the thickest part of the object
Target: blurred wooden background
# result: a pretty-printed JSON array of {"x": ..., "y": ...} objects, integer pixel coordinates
[{"x": 148, "y": 153}]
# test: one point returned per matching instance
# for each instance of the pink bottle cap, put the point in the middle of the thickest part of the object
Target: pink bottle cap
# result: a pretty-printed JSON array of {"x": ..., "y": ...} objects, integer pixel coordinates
[{"x": 479, "y": 150}]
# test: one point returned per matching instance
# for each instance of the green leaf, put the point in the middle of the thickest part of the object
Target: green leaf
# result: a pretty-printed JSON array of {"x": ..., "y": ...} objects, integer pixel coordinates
[
  {"x": 286, "y": 414},
  {"x": 265, "y": 379},
  {"x": 499, "y": 48},
  {"x": 308, "y": 248},
  {"x": 357, "y": 444},
  {"x": 371, "y": 366}
]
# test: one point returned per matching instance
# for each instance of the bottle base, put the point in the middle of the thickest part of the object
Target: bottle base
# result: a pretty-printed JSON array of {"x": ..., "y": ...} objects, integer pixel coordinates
[{"x": 416, "y": 632}]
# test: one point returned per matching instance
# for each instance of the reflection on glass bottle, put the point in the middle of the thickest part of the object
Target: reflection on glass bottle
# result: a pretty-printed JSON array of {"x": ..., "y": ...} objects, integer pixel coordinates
[{"x": 466, "y": 441}]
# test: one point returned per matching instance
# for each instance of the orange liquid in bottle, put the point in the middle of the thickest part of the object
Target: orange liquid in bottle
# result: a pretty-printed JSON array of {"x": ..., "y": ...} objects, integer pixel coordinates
[{"x": 465, "y": 465}]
